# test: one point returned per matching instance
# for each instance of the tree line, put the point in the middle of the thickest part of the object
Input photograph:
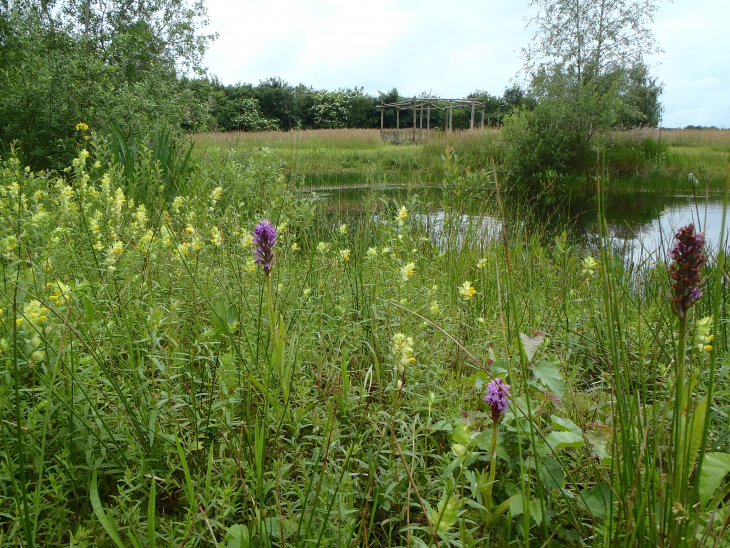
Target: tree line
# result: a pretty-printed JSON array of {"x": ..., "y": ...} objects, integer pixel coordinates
[{"x": 132, "y": 66}]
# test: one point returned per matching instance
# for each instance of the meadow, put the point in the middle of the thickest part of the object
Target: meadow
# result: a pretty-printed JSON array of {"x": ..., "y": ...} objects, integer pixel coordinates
[
  {"x": 177, "y": 372},
  {"x": 346, "y": 157}
]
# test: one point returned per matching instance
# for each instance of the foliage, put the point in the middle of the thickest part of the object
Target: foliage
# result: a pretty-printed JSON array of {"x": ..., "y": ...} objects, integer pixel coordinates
[
  {"x": 587, "y": 74},
  {"x": 117, "y": 63},
  {"x": 150, "y": 398}
]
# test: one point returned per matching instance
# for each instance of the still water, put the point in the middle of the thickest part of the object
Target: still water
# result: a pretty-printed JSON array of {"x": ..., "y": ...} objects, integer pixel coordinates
[{"x": 641, "y": 224}]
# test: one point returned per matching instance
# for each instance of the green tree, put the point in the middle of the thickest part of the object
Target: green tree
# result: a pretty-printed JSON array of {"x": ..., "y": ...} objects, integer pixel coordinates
[
  {"x": 112, "y": 63},
  {"x": 586, "y": 69}
]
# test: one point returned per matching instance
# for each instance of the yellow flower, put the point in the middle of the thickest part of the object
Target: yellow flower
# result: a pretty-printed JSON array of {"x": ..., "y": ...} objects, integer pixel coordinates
[
  {"x": 81, "y": 126},
  {"x": 703, "y": 337},
  {"x": 435, "y": 307},
  {"x": 247, "y": 240},
  {"x": 343, "y": 229},
  {"x": 216, "y": 239},
  {"x": 407, "y": 271},
  {"x": 402, "y": 348},
  {"x": 294, "y": 247},
  {"x": 371, "y": 253},
  {"x": 402, "y": 215},
  {"x": 467, "y": 291},
  {"x": 482, "y": 264},
  {"x": 322, "y": 247},
  {"x": 190, "y": 229},
  {"x": 385, "y": 251},
  {"x": 251, "y": 265},
  {"x": 589, "y": 266},
  {"x": 216, "y": 194},
  {"x": 345, "y": 254}
]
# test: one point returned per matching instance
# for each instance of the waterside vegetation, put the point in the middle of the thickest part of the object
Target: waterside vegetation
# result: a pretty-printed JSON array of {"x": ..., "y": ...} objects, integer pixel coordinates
[{"x": 178, "y": 372}]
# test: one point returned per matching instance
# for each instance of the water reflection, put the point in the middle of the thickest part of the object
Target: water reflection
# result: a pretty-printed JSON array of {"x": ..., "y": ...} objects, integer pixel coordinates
[{"x": 641, "y": 225}]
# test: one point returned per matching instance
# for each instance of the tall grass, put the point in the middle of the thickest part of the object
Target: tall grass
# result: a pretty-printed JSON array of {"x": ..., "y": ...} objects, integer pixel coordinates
[{"x": 158, "y": 390}]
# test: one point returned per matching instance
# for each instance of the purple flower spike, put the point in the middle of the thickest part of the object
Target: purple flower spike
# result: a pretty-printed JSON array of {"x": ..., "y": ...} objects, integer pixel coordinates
[
  {"x": 688, "y": 258},
  {"x": 497, "y": 398},
  {"x": 264, "y": 238}
]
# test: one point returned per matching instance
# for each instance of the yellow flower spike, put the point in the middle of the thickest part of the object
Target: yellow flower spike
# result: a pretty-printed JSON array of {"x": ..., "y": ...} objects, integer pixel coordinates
[
  {"x": 345, "y": 254},
  {"x": 407, "y": 271},
  {"x": 467, "y": 291},
  {"x": 190, "y": 229}
]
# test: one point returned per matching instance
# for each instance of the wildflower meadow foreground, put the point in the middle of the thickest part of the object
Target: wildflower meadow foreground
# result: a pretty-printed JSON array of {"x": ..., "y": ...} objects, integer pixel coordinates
[{"x": 221, "y": 360}]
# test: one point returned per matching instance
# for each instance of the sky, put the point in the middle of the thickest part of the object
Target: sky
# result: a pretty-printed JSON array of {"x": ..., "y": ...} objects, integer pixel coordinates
[{"x": 450, "y": 48}]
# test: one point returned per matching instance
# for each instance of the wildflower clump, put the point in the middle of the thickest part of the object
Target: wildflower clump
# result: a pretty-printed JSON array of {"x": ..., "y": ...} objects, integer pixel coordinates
[
  {"x": 497, "y": 398},
  {"x": 589, "y": 266},
  {"x": 688, "y": 258},
  {"x": 402, "y": 350},
  {"x": 467, "y": 291},
  {"x": 704, "y": 335},
  {"x": 264, "y": 238},
  {"x": 402, "y": 215},
  {"x": 406, "y": 272}
]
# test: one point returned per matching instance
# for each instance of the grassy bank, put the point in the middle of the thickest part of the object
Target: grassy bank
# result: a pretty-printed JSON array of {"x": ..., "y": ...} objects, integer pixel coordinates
[
  {"x": 634, "y": 159},
  {"x": 158, "y": 388}
]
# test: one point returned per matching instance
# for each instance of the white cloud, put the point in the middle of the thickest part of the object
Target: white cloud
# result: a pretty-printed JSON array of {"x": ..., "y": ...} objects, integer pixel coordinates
[{"x": 451, "y": 48}]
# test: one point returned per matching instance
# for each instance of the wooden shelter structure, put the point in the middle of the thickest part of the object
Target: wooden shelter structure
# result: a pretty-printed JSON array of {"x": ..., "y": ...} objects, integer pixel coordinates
[{"x": 445, "y": 105}]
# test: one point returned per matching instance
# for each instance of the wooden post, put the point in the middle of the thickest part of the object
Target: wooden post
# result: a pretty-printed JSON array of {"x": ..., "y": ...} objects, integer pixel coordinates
[
  {"x": 382, "y": 114},
  {"x": 471, "y": 125},
  {"x": 414, "y": 121},
  {"x": 420, "y": 132},
  {"x": 451, "y": 117},
  {"x": 397, "y": 125},
  {"x": 428, "y": 124},
  {"x": 482, "y": 119}
]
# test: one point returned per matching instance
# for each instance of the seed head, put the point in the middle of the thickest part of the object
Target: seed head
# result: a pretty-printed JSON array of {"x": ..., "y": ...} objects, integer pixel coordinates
[
  {"x": 688, "y": 258},
  {"x": 264, "y": 238}
]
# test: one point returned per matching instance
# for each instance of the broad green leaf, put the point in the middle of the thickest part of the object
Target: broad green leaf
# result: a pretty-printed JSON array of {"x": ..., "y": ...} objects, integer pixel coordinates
[
  {"x": 565, "y": 425},
  {"x": 549, "y": 374},
  {"x": 696, "y": 432},
  {"x": 715, "y": 467},
  {"x": 109, "y": 526},
  {"x": 237, "y": 536},
  {"x": 558, "y": 440},
  {"x": 599, "y": 444},
  {"x": 531, "y": 344}
]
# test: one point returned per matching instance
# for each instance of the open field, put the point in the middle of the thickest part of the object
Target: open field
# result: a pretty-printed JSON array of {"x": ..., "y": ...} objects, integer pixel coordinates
[
  {"x": 358, "y": 156},
  {"x": 160, "y": 388}
]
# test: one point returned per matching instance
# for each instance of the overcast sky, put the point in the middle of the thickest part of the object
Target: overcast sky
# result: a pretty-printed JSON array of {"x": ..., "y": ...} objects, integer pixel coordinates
[{"x": 450, "y": 47}]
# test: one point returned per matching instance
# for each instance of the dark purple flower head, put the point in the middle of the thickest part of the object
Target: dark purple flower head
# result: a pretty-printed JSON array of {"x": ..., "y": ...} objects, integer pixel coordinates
[
  {"x": 688, "y": 258},
  {"x": 497, "y": 394},
  {"x": 264, "y": 238}
]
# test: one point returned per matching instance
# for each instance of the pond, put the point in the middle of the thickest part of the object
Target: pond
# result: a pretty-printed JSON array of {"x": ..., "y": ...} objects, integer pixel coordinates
[{"x": 641, "y": 224}]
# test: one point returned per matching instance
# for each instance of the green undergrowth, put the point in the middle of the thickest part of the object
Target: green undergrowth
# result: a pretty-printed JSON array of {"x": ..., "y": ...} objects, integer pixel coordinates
[{"x": 156, "y": 391}]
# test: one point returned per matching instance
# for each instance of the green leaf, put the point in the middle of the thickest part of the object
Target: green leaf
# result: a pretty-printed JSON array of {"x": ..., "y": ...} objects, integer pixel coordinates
[
  {"x": 188, "y": 488},
  {"x": 237, "y": 536},
  {"x": 714, "y": 468},
  {"x": 549, "y": 375},
  {"x": 530, "y": 344},
  {"x": 696, "y": 432},
  {"x": 151, "y": 538},
  {"x": 109, "y": 526},
  {"x": 565, "y": 425},
  {"x": 558, "y": 440}
]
